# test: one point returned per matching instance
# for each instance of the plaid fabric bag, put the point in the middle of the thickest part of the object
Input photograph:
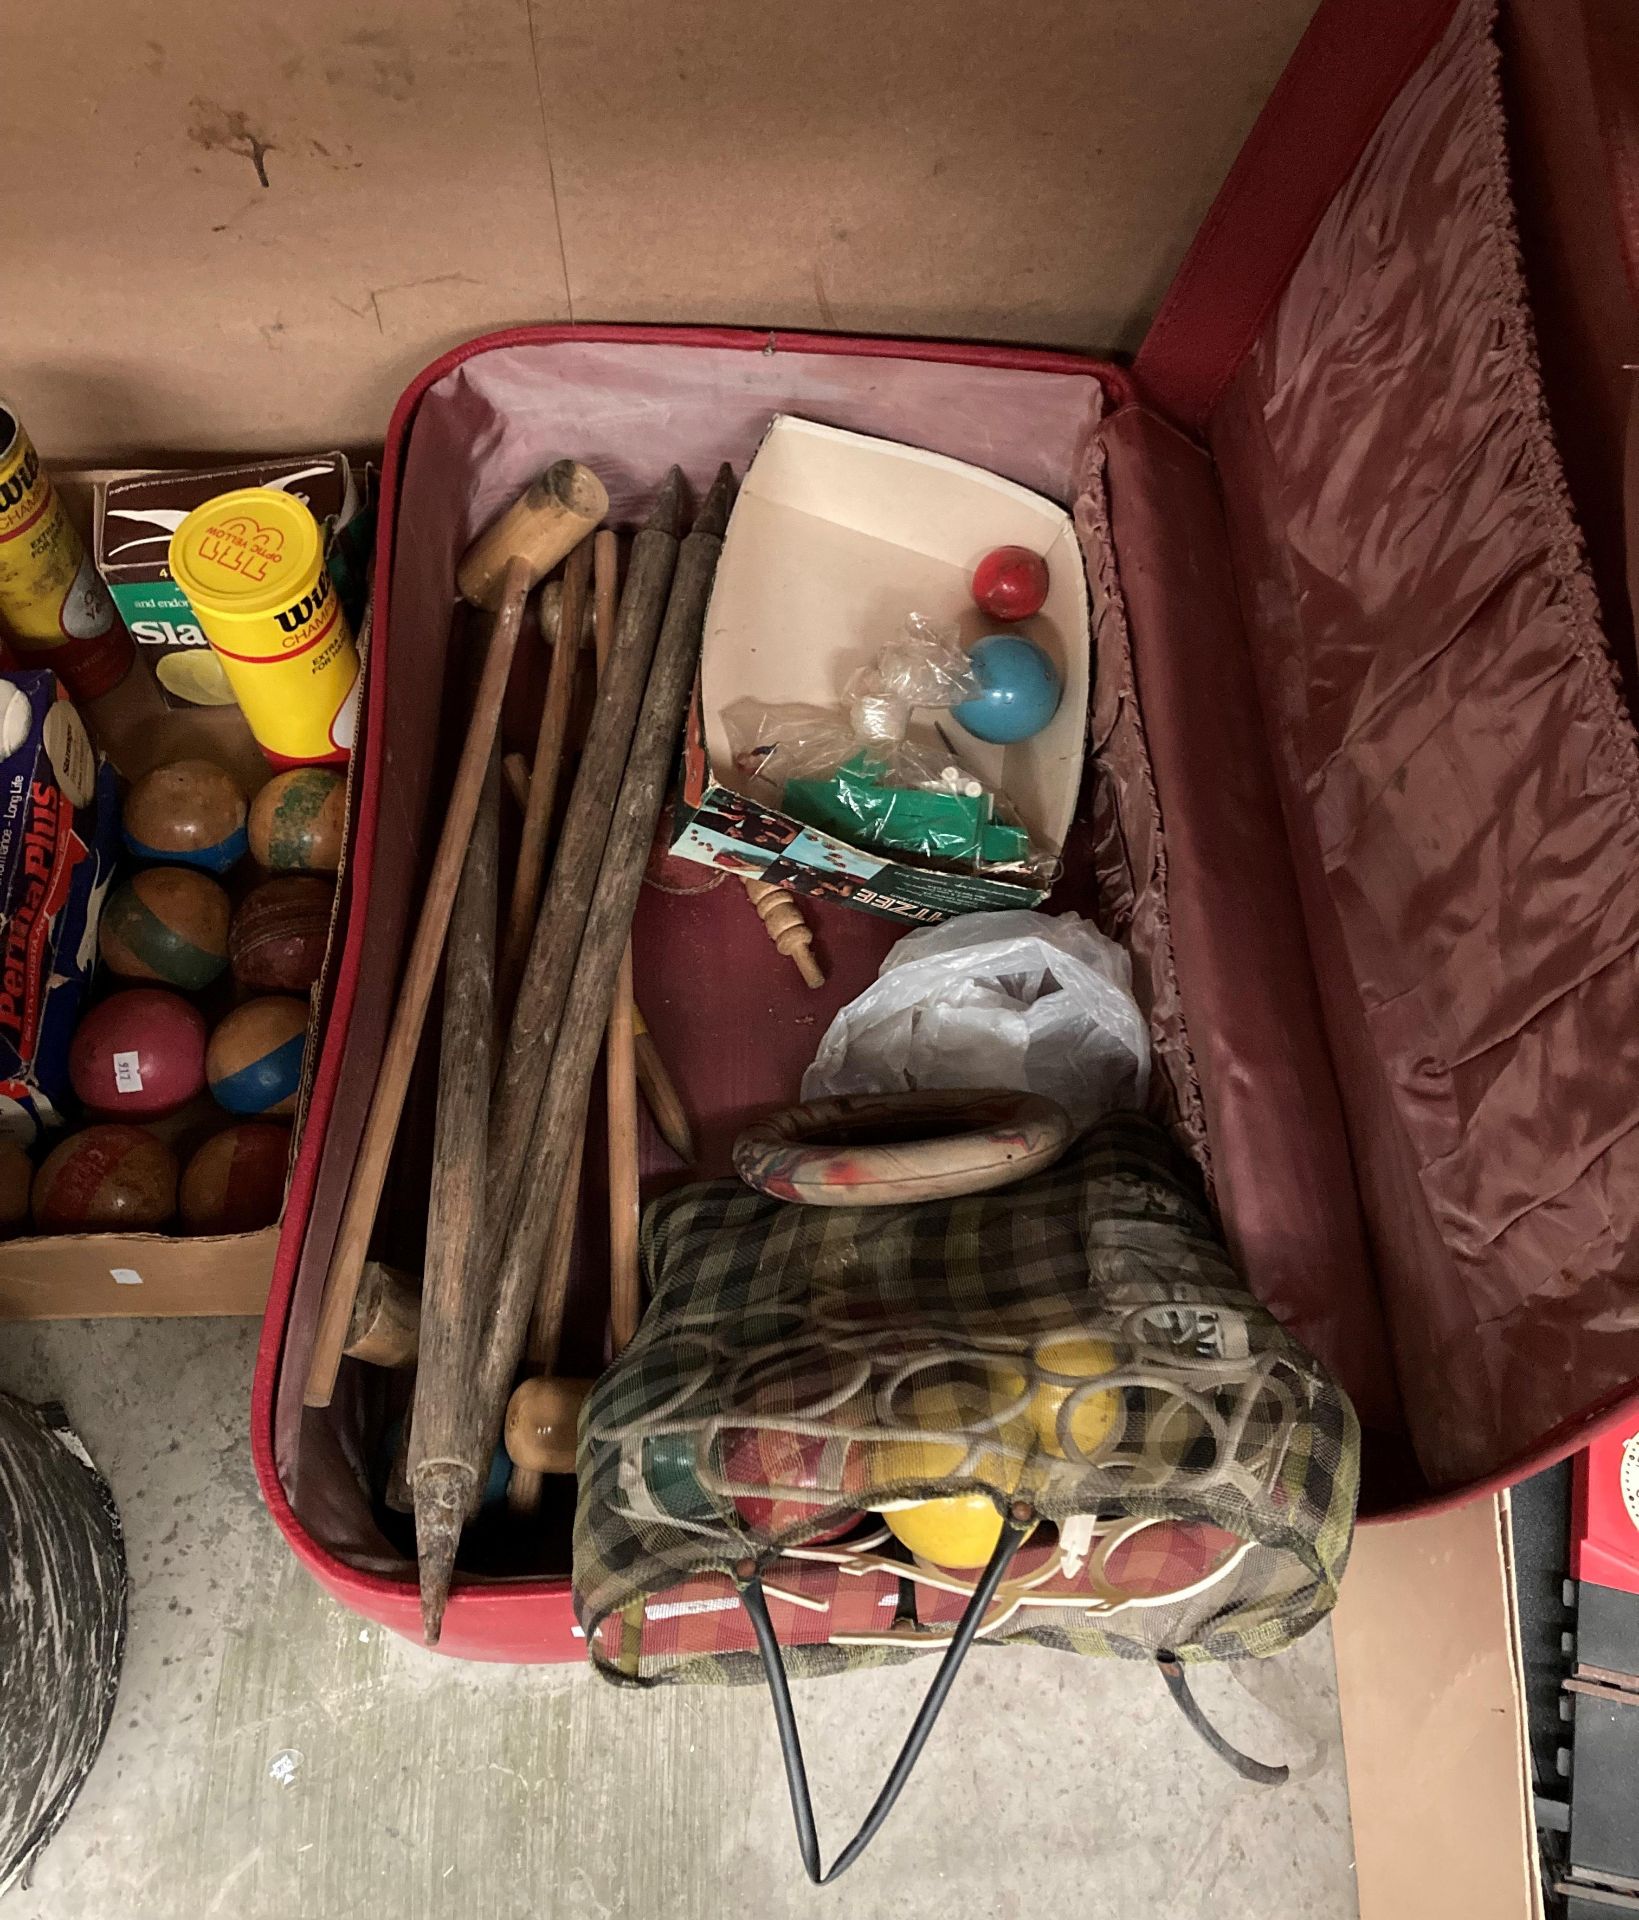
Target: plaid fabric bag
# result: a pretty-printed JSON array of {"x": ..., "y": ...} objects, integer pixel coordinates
[{"x": 1134, "y": 1456}]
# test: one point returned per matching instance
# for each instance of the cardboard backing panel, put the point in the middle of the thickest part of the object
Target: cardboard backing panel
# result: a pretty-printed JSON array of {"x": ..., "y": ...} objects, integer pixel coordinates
[
  {"x": 918, "y": 168},
  {"x": 160, "y": 300},
  {"x": 1428, "y": 1682}
]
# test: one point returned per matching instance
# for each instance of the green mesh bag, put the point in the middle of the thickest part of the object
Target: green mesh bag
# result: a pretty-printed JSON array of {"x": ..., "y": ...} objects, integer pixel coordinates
[{"x": 1130, "y": 1456}]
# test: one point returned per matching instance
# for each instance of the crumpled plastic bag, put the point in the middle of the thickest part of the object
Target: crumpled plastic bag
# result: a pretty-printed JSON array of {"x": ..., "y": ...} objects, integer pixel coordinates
[{"x": 1029, "y": 1002}]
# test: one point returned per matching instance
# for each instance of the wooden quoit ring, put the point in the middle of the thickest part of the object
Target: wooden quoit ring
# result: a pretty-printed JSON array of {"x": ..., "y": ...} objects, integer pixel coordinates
[{"x": 889, "y": 1149}]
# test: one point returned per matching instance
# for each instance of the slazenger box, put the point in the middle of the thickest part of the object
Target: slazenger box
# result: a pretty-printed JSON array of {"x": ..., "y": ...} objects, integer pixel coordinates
[
  {"x": 171, "y": 1274},
  {"x": 1362, "y": 787}
]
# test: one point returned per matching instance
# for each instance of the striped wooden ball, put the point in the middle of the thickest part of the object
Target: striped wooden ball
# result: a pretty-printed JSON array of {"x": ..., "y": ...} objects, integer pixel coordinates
[
  {"x": 254, "y": 1060},
  {"x": 235, "y": 1182},
  {"x": 278, "y": 936},
  {"x": 16, "y": 1177},
  {"x": 106, "y": 1177},
  {"x": 191, "y": 812},
  {"x": 168, "y": 924},
  {"x": 296, "y": 821},
  {"x": 138, "y": 1054}
]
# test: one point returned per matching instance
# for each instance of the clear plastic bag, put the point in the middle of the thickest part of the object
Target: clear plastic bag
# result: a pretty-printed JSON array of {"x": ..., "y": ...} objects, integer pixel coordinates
[
  {"x": 1035, "y": 1002},
  {"x": 855, "y": 771}
]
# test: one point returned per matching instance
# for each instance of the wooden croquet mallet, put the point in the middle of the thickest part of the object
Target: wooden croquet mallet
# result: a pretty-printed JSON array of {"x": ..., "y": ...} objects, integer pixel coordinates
[
  {"x": 524, "y": 1489},
  {"x": 786, "y": 927},
  {"x": 549, "y": 612},
  {"x": 543, "y": 783},
  {"x": 515, "y": 778},
  {"x": 555, "y": 515},
  {"x": 660, "y": 1091},
  {"x": 386, "y": 1325},
  {"x": 547, "y": 521},
  {"x": 447, "y": 1461},
  {"x": 540, "y": 1430}
]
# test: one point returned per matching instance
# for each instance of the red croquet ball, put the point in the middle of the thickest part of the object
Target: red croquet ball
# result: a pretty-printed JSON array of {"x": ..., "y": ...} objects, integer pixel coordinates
[
  {"x": 108, "y": 1176},
  {"x": 138, "y": 1054},
  {"x": 235, "y": 1182}
]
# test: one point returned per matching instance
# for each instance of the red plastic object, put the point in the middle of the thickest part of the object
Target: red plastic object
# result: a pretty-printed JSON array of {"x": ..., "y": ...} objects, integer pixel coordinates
[
  {"x": 1010, "y": 583},
  {"x": 1605, "y": 1512},
  {"x": 139, "y": 1055}
]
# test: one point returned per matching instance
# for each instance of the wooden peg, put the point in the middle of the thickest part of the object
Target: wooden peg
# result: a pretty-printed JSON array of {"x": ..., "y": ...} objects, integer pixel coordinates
[
  {"x": 448, "y": 1456},
  {"x": 786, "y": 927},
  {"x": 619, "y": 1048}
]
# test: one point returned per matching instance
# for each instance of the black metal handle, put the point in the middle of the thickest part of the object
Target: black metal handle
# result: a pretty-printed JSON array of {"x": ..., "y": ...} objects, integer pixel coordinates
[
  {"x": 1016, "y": 1529},
  {"x": 1172, "y": 1671}
]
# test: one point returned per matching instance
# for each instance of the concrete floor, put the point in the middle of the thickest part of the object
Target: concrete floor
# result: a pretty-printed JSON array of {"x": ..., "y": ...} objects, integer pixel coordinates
[{"x": 274, "y": 1756}]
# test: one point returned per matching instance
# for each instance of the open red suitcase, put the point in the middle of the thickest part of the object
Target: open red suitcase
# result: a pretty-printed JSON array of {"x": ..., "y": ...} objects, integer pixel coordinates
[{"x": 1364, "y": 788}]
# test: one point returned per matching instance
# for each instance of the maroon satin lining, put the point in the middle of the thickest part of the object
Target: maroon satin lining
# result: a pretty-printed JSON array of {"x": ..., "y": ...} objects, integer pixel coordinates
[
  {"x": 1458, "y": 776},
  {"x": 1280, "y": 1157}
]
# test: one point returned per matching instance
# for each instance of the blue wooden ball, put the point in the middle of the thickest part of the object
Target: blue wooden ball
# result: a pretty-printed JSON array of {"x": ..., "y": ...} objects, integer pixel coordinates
[{"x": 1019, "y": 690}]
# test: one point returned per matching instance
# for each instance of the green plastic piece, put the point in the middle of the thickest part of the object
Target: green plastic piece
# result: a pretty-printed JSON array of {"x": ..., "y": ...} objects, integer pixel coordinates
[{"x": 856, "y": 805}]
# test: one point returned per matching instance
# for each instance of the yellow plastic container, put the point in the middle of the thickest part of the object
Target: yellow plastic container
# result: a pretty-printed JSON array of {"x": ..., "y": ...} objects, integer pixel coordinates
[
  {"x": 52, "y": 599},
  {"x": 252, "y": 567}
]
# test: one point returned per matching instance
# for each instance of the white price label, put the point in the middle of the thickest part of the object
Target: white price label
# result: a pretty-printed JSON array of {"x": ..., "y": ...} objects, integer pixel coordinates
[
  {"x": 127, "y": 1073},
  {"x": 126, "y": 1276}
]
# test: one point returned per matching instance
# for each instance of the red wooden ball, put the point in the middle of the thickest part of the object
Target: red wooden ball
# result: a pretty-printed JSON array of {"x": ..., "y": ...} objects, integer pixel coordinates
[
  {"x": 106, "y": 1177},
  {"x": 790, "y": 1462},
  {"x": 16, "y": 1177},
  {"x": 235, "y": 1182},
  {"x": 277, "y": 940},
  {"x": 138, "y": 1054},
  {"x": 1010, "y": 583}
]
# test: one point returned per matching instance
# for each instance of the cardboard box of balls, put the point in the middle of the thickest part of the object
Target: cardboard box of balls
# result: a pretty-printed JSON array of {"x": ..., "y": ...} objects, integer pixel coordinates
[{"x": 161, "y": 1195}]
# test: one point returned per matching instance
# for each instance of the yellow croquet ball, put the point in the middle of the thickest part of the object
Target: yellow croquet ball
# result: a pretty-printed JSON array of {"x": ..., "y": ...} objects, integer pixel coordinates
[
  {"x": 1093, "y": 1417},
  {"x": 960, "y": 1531}
]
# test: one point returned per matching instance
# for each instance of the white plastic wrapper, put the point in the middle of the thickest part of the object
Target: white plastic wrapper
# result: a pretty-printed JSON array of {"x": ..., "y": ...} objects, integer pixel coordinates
[{"x": 1030, "y": 1002}]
